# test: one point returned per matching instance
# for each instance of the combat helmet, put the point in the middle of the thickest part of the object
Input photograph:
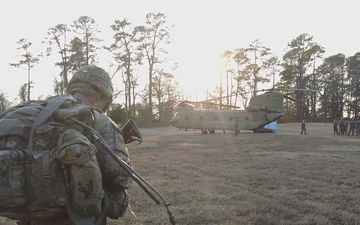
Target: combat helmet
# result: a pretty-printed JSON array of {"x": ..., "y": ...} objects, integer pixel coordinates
[{"x": 90, "y": 79}]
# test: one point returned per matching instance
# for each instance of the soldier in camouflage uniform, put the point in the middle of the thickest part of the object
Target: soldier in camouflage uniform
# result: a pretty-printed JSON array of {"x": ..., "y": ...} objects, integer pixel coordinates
[
  {"x": 303, "y": 127},
  {"x": 342, "y": 126},
  {"x": 92, "y": 86},
  {"x": 352, "y": 125},
  {"x": 335, "y": 127},
  {"x": 346, "y": 125},
  {"x": 236, "y": 127},
  {"x": 357, "y": 126}
]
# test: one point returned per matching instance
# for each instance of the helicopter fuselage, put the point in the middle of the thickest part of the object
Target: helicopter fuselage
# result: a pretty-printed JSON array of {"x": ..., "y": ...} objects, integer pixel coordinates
[
  {"x": 263, "y": 109},
  {"x": 223, "y": 119}
]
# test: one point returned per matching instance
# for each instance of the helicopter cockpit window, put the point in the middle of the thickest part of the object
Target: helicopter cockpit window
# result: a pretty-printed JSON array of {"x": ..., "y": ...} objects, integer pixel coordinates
[{"x": 246, "y": 118}]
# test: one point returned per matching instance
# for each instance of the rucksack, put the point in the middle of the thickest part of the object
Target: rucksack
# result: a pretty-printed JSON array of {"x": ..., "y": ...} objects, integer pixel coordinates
[{"x": 48, "y": 162}]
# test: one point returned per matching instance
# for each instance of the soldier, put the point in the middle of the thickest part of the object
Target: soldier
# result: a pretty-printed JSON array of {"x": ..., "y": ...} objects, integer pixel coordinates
[
  {"x": 342, "y": 126},
  {"x": 352, "y": 125},
  {"x": 303, "y": 127},
  {"x": 236, "y": 128},
  {"x": 357, "y": 126},
  {"x": 346, "y": 125},
  {"x": 335, "y": 125},
  {"x": 92, "y": 86}
]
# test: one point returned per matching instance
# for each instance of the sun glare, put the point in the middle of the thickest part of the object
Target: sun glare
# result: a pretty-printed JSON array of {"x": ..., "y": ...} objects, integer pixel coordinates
[{"x": 199, "y": 76}]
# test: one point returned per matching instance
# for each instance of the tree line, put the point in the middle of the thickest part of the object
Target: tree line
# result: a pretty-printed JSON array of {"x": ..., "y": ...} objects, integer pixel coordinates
[
  {"x": 144, "y": 48},
  {"x": 132, "y": 47},
  {"x": 325, "y": 88}
]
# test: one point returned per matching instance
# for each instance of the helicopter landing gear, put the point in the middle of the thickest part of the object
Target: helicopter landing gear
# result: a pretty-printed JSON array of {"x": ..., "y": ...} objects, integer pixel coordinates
[
  {"x": 263, "y": 130},
  {"x": 210, "y": 131}
]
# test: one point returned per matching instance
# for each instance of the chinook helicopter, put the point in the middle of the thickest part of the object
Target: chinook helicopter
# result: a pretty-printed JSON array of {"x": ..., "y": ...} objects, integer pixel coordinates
[{"x": 263, "y": 109}]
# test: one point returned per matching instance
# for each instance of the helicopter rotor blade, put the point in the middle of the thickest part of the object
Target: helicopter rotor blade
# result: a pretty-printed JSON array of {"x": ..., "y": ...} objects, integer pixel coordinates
[
  {"x": 297, "y": 89},
  {"x": 207, "y": 102},
  {"x": 259, "y": 90},
  {"x": 288, "y": 97}
]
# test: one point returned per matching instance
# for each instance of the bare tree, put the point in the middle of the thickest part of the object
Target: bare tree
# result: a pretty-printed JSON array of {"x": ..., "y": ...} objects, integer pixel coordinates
[
  {"x": 28, "y": 60},
  {"x": 163, "y": 89},
  {"x": 126, "y": 53},
  {"x": 259, "y": 56},
  {"x": 58, "y": 38},
  {"x": 154, "y": 35},
  {"x": 242, "y": 75},
  {"x": 4, "y": 102},
  {"x": 228, "y": 70}
]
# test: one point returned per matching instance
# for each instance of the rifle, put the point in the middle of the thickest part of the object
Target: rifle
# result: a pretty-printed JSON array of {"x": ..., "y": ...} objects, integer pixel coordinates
[
  {"x": 130, "y": 130},
  {"x": 130, "y": 171}
]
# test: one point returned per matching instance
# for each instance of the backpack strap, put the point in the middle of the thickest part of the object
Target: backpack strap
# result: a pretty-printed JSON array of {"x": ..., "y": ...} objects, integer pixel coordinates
[
  {"x": 46, "y": 176},
  {"x": 53, "y": 105}
]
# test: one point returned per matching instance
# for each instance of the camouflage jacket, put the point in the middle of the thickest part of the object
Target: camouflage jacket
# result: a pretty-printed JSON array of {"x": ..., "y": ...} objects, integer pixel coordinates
[{"x": 112, "y": 173}]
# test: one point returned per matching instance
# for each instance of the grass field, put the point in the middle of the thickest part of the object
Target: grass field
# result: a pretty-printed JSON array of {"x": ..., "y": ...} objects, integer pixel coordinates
[{"x": 271, "y": 178}]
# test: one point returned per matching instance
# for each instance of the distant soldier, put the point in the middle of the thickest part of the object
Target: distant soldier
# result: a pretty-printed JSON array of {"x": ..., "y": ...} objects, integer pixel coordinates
[
  {"x": 335, "y": 125},
  {"x": 303, "y": 127},
  {"x": 341, "y": 126},
  {"x": 237, "y": 131},
  {"x": 357, "y": 126},
  {"x": 352, "y": 124},
  {"x": 346, "y": 125}
]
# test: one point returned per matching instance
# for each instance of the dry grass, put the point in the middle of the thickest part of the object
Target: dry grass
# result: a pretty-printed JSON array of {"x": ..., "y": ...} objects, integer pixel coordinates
[{"x": 271, "y": 178}]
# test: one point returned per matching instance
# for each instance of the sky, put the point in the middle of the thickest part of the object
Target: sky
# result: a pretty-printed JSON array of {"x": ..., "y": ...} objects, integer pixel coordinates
[{"x": 202, "y": 31}]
